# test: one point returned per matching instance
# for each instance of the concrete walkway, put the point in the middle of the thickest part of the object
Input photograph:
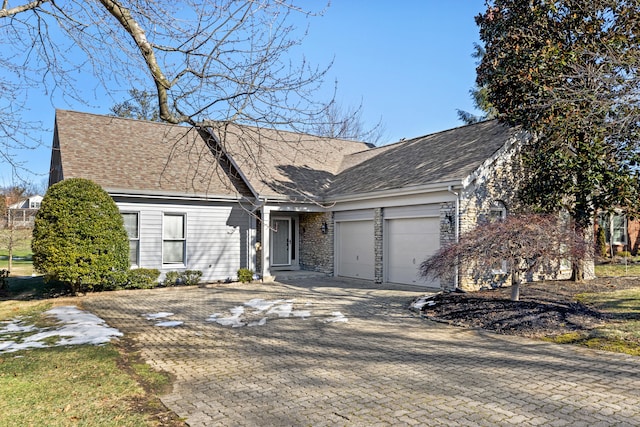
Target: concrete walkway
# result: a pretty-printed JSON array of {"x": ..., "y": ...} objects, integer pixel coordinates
[{"x": 350, "y": 354}]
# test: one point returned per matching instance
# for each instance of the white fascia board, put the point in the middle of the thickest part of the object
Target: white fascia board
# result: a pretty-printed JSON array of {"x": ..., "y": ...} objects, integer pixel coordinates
[
  {"x": 284, "y": 204},
  {"x": 397, "y": 192},
  {"x": 113, "y": 192},
  {"x": 292, "y": 208}
]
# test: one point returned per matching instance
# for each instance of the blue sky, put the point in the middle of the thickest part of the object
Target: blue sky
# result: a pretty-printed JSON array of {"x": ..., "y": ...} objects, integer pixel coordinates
[{"x": 408, "y": 63}]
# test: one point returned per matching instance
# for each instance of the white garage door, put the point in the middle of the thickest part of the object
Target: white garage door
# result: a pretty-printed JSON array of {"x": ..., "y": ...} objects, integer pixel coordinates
[
  {"x": 355, "y": 249},
  {"x": 409, "y": 242}
]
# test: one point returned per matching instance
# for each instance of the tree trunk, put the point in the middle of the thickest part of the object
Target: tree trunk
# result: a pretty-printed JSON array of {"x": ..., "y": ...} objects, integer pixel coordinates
[
  {"x": 583, "y": 268},
  {"x": 577, "y": 272},
  {"x": 515, "y": 286}
]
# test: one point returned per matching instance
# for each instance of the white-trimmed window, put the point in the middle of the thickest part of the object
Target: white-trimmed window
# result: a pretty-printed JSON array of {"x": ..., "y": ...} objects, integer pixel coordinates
[
  {"x": 615, "y": 228},
  {"x": 497, "y": 212},
  {"x": 132, "y": 225},
  {"x": 174, "y": 240}
]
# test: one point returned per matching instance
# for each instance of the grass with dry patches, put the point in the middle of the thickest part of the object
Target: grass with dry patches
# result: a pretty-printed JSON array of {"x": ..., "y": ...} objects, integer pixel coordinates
[
  {"x": 76, "y": 385},
  {"x": 621, "y": 333},
  {"x": 617, "y": 270}
]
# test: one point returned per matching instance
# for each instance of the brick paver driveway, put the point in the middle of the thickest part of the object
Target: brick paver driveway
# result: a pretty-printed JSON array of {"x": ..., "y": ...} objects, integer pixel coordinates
[{"x": 340, "y": 353}]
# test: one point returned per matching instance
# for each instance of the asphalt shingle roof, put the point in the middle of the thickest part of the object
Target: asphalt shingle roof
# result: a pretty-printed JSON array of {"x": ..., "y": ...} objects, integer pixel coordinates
[
  {"x": 278, "y": 163},
  {"x": 125, "y": 154},
  {"x": 139, "y": 156},
  {"x": 440, "y": 157}
]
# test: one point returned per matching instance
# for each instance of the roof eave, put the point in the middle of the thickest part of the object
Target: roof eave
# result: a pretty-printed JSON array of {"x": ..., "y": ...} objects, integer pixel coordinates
[
  {"x": 174, "y": 195},
  {"x": 404, "y": 191}
]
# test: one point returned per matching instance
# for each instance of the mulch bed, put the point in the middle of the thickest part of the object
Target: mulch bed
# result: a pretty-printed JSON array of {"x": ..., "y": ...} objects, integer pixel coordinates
[{"x": 544, "y": 309}]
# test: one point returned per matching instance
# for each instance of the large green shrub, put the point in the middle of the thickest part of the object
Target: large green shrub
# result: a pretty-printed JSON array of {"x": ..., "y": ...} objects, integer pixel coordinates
[{"x": 79, "y": 237}]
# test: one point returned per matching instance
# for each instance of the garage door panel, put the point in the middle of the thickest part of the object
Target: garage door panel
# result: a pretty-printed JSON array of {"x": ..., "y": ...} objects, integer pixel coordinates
[
  {"x": 409, "y": 242},
  {"x": 356, "y": 249}
]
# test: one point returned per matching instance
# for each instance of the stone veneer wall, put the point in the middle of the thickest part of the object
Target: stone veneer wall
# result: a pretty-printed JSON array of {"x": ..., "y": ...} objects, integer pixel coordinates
[
  {"x": 316, "y": 248},
  {"x": 447, "y": 236},
  {"x": 495, "y": 182}
]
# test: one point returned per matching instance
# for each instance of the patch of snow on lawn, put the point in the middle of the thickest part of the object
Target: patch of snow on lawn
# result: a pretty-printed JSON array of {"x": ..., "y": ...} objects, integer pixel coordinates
[
  {"x": 77, "y": 327},
  {"x": 17, "y": 326}
]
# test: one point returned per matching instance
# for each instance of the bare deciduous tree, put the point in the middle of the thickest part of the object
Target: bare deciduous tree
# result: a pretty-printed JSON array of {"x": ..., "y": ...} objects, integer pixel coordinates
[
  {"x": 9, "y": 223},
  {"x": 210, "y": 62},
  {"x": 347, "y": 123},
  {"x": 525, "y": 244},
  {"x": 141, "y": 105}
]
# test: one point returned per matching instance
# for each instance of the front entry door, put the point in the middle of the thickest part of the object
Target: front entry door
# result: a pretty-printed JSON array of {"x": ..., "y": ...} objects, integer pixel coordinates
[{"x": 280, "y": 241}]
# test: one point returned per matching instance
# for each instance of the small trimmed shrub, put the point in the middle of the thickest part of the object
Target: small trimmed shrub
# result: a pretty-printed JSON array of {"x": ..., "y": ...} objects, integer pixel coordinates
[
  {"x": 623, "y": 254},
  {"x": 171, "y": 278},
  {"x": 142, "y": 278},
  {"x": 245, "y": 275},
  {"x": 79, "y": 237},
  {"x": 182, "y": 278},
  {"x": 191, "y": 277}
]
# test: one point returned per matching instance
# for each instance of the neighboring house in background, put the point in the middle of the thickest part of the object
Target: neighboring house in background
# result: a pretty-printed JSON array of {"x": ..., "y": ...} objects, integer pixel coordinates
[
  {"x": 24, "y": 212},
  {"x": 236, "y": 196},
  {"x": 622, "y": 234},
  {"x": 32, "y": 202}
]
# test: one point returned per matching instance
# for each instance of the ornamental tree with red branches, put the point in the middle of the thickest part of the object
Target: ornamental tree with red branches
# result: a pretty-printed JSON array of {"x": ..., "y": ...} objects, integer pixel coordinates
[{"x": 525, "y": 244}]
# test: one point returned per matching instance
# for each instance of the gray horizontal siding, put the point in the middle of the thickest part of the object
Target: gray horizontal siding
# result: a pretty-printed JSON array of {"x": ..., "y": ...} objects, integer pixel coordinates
[{"x": 217, "y": 237}]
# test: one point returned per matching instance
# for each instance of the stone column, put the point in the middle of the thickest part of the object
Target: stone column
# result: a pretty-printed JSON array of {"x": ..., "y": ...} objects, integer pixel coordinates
[{"x": 266, "y": 244}]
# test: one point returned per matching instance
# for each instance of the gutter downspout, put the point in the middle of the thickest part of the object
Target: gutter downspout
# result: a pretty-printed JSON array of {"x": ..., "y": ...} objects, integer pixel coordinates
[{"x": 457, "y": 232}]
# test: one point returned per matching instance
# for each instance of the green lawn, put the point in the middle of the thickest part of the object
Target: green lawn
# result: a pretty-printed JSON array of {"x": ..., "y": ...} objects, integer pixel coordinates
[
  {"x": 83, "y": 385},
  {"x": 22, "y": 243},
  {"x": 611, "y": 270},
  {"x": 621, "y": 333},
  {"x": 18, "y": 268},
  {"x": 21, "y": 249},
  {"x": 68, "y": 386}
]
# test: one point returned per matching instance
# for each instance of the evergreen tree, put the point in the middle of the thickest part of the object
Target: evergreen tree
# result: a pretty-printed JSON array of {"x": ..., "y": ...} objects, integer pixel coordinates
[{"x": 567, "y": 72}]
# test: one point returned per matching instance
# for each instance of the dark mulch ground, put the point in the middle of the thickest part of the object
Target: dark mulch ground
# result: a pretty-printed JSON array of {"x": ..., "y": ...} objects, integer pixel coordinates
[{"x": 544, "y": 309}]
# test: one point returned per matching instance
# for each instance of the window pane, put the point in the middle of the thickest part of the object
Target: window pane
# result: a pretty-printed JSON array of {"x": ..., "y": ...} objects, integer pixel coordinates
[
  {"x": 618, "y": 229},
  {"x": 496, "y": 215},
  {"x": 131, "y": 224},
  {"x": 618, "y": 221},
  {"x": 173, "y": 252},
  {"x": 174, "y": 227},
  {"x": 133, "y": 252}
]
